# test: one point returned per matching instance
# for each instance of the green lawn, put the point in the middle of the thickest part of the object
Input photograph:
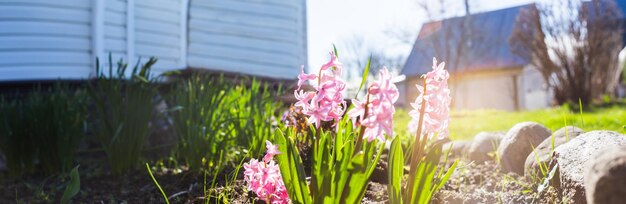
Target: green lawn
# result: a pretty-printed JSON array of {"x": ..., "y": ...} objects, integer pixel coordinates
[{"x": 465, "y": 124}]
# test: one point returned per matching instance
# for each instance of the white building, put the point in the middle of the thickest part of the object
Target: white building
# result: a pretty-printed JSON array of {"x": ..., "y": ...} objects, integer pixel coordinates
[{"x": 52, "y": 39}]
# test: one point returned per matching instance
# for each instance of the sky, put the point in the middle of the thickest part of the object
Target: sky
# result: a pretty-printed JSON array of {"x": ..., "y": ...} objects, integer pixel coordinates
[{"x": 337, "y": 21}]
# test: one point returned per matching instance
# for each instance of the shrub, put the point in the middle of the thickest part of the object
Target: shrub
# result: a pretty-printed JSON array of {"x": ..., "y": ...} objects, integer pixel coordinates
[
  {"x": 17, "y": 139},
  {"x": 253, "y": 112},
  {"x": 199, "y": 104},
  {"x": 44, "y": 126},
  {"x": 214, "y": 120},
  {"x": 123, "y": 110}
]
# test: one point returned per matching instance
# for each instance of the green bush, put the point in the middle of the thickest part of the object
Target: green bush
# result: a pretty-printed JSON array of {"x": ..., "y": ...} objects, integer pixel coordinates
[
  {"x": 17, "y": 139},
  {"x": 45, "y": 127},
  {"x": 123, "y": 111},
  {"x": 253, "y": 109},
  {"x": 215, "y": 120},
  {"x": 202, "y": 135}
]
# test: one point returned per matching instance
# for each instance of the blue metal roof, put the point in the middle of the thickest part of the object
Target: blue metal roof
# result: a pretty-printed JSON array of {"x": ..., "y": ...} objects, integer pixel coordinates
[{"x": 488, "y": 48}]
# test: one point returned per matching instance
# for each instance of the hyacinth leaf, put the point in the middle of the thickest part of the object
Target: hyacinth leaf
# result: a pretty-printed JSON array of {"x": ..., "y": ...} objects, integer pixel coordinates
[
  {"x": 446, "y": 176},
  {"x": 291, "y": 169},
  {"x": 335, "y": 50},
  {"x": 426, "y": 181},
  {"x": 395, "y": 171},
  {"x": 320, "y": 182},
  {"x": 358, "y": 173},
  {"x": 73, "y": 187},
  {"x": 366, "y": 72}
]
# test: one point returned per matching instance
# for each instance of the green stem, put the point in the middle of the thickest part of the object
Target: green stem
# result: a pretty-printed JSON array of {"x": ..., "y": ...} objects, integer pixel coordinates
[
  {"x": 157, "y": 184},
  {"x": 359, "y": 139},
  {"x": 417, "y": 148}
]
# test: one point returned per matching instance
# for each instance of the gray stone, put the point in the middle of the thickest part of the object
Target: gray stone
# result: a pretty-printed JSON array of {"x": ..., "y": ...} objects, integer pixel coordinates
[
  {"x": 605, "y": 178},
  {"x": 483, "y": 144},
  {"x": 576, "y": 155},
  {"x": 543, "y": 152},
  {"x": 457, "y": 148},
  {"x": 518, "y": 143}
]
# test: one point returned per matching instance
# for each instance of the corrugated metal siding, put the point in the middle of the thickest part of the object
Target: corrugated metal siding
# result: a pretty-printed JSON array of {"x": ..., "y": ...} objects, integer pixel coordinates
[
  {"x": 157, "y": 32},
  {"x": 42, "y": 39},
  {"x": 115, "y": 34},
  {"x": 261, "y": 37}
]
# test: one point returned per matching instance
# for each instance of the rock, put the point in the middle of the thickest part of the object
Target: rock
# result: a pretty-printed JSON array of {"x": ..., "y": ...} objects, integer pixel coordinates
[
  {"x": 605, "y": 178},
  {"x": 576, "y": 155},
  {"x": 457, "y": 148},
  {"x": 543, "y": 152},
  {"x": 568, "y": 132},
  {"x": 483, "y": 144},
  {"x": 518, "y": 143}
]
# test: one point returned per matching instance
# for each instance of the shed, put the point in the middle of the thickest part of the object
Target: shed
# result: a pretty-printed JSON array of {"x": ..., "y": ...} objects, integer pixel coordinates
[{"x": 486, "y": 75}]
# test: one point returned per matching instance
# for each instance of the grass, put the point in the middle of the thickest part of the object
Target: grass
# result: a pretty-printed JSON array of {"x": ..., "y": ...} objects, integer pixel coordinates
[{"x": 464, "y": 124}]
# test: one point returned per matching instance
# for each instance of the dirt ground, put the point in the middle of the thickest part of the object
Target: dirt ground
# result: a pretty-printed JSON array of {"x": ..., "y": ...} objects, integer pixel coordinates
[
  {"x": 471, "y": 183},
  {"x": 484, "y": 183}
]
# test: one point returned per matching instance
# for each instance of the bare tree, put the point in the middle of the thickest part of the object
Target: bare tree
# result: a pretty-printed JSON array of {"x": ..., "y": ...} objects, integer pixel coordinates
[
  {"x": 574, "y": 45},
  {"x": 358, "y": 52}
]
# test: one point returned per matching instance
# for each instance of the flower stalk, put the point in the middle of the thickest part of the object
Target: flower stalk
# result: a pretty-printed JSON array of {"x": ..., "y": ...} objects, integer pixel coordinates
[{"x": 418, "y": 145}]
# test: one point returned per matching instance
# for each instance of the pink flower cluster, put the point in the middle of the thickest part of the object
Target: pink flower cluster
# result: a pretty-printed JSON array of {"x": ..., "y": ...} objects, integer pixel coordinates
[
  {"x": 377, "y": 117},
  {"x": 437, "y": 98},
  {"x": 264, "y": 179},
  {"x": 326, "y": 102}
]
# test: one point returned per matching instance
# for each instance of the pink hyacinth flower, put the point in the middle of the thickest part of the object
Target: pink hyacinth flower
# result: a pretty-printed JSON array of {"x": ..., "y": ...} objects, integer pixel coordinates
[
  {"x": 357, "y": 112},
  {"x": 271, "y": 151},
  {"x": 303, "y": 98},
  {"x": 264, "y": 178},
  {"x": 332, "y": 63},
  {"x": 303, "y": 77},
  {"x": 378, "y": 118},
  {"x": 326, "y": 102},
  {"x": 437, "y": 99}
]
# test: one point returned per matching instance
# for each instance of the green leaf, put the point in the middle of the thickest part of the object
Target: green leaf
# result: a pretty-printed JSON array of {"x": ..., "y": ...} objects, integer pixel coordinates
[
  {"x": 335, "y": 50},
  {"x": 446, "y": 176},
  {"x": 360, "y": 170},
  {"x": 366, "y": 72},
  {"x": 546, "y": 181},
  {"x": 291, "y": 169},
  {"x": 580, "y": 107},
  {"x": 157, "y": 184},
  {"x": 73, "y": 187},
  {"x": 395, "y": 171}
]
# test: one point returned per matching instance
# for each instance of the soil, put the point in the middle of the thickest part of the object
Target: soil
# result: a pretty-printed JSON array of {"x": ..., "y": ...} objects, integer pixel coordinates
[
  {"x": 180, "y": 184},
  {"x": 471, "y": 183},
  {"x": 484, "y": 183}
]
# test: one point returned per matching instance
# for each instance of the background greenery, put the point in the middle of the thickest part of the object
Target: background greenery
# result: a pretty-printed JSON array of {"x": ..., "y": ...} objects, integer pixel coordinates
[{"x": 464, "y": 124}]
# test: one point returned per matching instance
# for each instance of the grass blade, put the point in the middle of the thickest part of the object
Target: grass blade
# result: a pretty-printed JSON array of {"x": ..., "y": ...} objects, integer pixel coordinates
[
  {"x": 366, "y": 72},
  {"x": 157, "y": 184}
]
